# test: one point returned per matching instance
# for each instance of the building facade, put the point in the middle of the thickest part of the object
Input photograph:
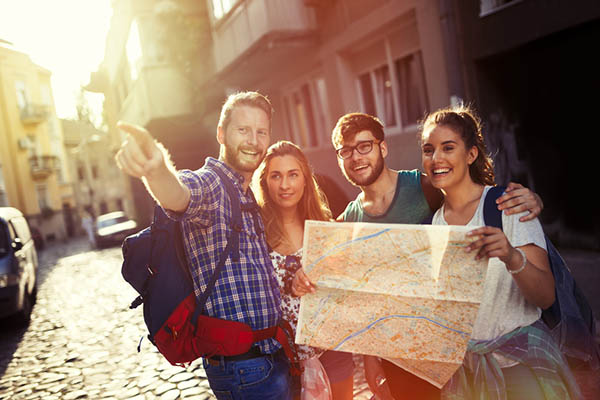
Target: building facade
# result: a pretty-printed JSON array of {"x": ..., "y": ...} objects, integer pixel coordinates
[
  {"x": 33, "y": 173},
  {"x": 315, "y": 59},
  {"x": 318, "y": 60},
  {"x": 156, "y": 54},
  {"x": 98, "y": 185}
]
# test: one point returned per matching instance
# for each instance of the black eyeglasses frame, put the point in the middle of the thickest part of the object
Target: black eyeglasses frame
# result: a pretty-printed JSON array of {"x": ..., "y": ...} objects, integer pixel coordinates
[{"x": 355, "y": 147}]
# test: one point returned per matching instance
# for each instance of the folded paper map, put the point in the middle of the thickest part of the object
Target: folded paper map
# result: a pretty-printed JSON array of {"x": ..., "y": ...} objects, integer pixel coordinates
[{"x": 407, "y": 293}]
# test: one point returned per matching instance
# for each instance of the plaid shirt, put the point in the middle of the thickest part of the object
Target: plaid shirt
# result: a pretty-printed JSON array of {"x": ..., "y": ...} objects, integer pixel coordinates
[
  {"x": 246, "y": 291},
  {"x": 532, "y": 346}
]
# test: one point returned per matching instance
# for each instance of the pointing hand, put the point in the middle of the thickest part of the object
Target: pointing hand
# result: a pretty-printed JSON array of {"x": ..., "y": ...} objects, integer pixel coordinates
[{"x": 140, "y": 155}]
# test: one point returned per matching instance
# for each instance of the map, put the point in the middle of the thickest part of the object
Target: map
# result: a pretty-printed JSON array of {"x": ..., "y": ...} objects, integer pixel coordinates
[{"x": 407, "y": 293}]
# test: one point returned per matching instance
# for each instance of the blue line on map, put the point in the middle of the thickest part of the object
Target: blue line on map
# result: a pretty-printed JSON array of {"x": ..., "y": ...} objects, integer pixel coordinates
[
  {"x": 395, "y": 316},
  {"x": 358, "y": 239}
]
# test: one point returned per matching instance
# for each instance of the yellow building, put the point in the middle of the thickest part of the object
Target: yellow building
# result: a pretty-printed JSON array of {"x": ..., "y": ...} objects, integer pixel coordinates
[
  {"x": 98, "y": 185},
  {"x": 33, "y": 177}
]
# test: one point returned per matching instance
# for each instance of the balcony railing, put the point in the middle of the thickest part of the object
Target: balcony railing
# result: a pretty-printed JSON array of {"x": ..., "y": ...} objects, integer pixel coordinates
[
  {"x": 281, "y": 27},
  {"x": 43, "y": 166},
  {"x": 33, "y": 113}
]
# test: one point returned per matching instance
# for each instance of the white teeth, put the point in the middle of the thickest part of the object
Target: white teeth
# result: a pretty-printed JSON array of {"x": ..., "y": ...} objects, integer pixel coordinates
[{"x": 441, "y": 170}]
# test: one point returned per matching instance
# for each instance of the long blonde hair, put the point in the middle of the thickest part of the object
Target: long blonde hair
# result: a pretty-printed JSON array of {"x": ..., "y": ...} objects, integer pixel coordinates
[{"x": 313, "y": 204}]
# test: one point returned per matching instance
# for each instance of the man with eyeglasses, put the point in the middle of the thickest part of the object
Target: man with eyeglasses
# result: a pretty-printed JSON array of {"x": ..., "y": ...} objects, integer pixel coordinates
[{"x": 390, "y": 196}]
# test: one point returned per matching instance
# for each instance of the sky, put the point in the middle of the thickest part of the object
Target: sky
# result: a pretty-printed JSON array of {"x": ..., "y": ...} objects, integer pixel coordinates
[{"x": 66, "y": 37}]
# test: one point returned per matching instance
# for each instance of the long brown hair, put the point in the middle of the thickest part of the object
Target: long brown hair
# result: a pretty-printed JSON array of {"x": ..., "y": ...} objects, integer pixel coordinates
[
  {"x": 313, "y": 204},
  {"x": 464, "y": 121}
]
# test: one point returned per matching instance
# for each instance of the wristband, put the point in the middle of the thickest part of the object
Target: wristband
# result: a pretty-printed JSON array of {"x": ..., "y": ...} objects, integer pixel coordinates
[{"x": 522, "y": 267}]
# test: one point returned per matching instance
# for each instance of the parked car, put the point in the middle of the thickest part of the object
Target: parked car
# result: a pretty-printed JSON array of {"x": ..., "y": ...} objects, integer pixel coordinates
[
  {"x": 18, "y": 266},
  {"x": 112, "y": 228}
]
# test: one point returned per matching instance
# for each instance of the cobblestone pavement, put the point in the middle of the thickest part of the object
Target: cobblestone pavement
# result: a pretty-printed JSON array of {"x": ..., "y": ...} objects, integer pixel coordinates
[{"x": 82, "y": 340}]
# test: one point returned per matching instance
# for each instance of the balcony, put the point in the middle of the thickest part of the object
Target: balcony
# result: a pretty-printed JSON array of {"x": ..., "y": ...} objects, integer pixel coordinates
[
  {"x": 33, "y": 113},
  {"x": 253, "y": 40},
  {"x": 43, "y": 166},
  {"x": 160, "y": 92}
]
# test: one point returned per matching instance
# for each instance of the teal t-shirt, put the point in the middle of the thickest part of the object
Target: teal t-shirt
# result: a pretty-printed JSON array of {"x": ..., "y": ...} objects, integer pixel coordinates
[{"x": 409, "y": 205}]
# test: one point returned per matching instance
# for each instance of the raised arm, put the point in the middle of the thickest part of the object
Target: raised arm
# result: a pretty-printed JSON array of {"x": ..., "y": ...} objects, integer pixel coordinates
[{"x": 144, "y": 158}]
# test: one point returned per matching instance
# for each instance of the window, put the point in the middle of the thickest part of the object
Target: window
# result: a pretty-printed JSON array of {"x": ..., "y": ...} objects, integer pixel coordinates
[
  {"x": 22, "y": 96},
  {"x": 133, "y": 50},
  {"x": 412, "y": 93},
  {"x": 42, "y": 195},
  {"x": 222, "y": 7},
  {"x": 395, "y": 92},
  {"x": 306, "y": 113},
  {"x": 95, "y": 173},
  {"x": 81, "y": 173}
]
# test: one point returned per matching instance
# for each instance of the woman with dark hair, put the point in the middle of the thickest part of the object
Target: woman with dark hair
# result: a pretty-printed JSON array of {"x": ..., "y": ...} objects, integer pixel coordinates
[
  {"x": 511, "y": 353},
  {"x": 288, "y": 194}
]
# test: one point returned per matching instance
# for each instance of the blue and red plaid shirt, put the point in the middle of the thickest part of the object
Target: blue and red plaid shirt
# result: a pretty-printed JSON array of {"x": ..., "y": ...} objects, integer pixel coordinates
[{"x": 246, "y": 291}]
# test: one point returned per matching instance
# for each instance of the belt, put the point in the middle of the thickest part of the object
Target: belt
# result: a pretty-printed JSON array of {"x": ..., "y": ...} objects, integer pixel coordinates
[{"x": 254, "y": 352}]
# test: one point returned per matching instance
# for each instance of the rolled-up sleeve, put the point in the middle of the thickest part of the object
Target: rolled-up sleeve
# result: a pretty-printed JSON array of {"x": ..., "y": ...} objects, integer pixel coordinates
[{"x": 203, "y": 186}]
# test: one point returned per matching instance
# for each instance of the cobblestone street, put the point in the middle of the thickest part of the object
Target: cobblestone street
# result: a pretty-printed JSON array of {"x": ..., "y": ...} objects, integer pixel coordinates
[{"x": 82, "y": 340}]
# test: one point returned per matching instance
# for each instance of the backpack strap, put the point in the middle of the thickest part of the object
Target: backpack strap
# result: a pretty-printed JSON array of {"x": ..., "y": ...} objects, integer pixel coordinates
[
  {"x": 283, "y": 333},
  {"x": 491, "y": 215},
  {"x": 233, "y": 242}
]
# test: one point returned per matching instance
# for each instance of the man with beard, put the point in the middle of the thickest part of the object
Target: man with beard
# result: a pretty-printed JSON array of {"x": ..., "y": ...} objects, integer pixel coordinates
[
  {"x": 247, "y": 290},
  {"x": 389, "y": 196}
]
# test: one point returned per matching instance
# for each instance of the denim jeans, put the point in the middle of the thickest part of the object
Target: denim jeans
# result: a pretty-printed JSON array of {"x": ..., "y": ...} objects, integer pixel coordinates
[{"x": 260, "y": 378}]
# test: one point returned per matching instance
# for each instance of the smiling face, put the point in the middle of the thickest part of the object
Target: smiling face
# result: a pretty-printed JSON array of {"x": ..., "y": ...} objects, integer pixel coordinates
[
  {"x": 245, "y": 138},
  {"x": 445, "y": 158},
  {"x": 363, "y": 169},
  {"x": 285, "y": 181}
]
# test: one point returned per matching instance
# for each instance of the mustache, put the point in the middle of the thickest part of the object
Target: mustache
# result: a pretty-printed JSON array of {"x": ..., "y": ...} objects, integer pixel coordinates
[{"x": 249, "y": 148}]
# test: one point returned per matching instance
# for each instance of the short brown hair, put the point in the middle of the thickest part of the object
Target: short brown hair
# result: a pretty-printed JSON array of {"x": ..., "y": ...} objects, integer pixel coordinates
[
  {"x": 351, "y": 124},
  {"x": 251, "y": 99}
]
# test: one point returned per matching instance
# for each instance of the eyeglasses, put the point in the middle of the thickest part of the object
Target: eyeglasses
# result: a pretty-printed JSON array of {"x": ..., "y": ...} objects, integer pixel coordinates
[{"x": 363, "y": 147}]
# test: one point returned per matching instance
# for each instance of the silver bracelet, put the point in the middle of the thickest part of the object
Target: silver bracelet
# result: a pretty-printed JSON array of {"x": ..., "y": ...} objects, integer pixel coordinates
[{"x": 522, "y": 267}]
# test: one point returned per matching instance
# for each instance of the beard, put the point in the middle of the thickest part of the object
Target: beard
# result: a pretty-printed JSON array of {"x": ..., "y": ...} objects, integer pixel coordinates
[
  {"x": 377, "y": 169},
  {"x": 235, "y": 157}
]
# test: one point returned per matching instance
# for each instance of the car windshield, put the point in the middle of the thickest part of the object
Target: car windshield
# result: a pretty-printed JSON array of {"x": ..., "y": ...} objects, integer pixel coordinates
[{"x": 111, "y": 221}]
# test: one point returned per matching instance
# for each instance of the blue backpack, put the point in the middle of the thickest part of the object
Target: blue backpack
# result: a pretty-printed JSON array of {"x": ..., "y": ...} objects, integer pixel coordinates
[{"x": 570, "y": 318}]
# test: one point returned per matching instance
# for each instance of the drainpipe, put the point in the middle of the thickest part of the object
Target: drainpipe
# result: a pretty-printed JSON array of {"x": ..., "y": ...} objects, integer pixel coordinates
[{"x": 452, "y": 51}]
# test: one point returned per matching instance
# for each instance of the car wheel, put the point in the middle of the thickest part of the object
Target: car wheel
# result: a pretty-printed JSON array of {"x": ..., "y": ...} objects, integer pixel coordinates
[{"x": 24, "y": 316}]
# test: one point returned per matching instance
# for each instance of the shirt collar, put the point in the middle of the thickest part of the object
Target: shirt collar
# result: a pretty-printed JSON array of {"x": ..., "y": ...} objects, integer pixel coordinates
[{"x": 230, "y": 172}]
